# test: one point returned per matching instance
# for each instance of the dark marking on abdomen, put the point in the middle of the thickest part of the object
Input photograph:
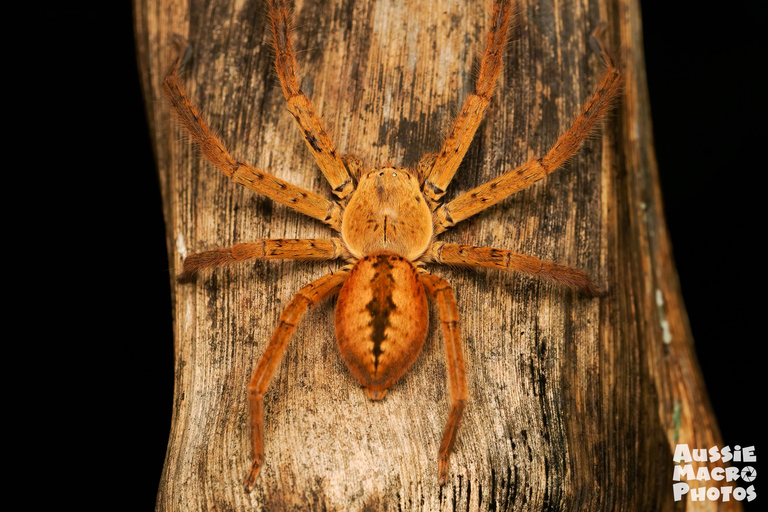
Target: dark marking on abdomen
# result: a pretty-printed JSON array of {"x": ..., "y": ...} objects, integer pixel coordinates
[{"x": 381, "y": 305}]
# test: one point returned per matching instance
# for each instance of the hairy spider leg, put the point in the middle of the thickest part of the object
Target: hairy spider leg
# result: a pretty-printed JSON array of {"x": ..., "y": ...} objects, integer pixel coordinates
[
  {"x": 498, "y": 189},
  {"x": 447, "y": 161},
  {"x": 442, "y": 293},
  {"x": 213, "y": 149},
  {"x": 306, "y": 249},
  {"x": 306, "y": 297},
  {"x": 319, "y": 143},
  {"x": 472, "y": 256}
]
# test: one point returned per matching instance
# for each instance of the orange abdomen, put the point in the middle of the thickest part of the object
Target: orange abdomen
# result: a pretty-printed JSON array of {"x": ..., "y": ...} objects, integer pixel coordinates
[{"x": 381, "y": 320}]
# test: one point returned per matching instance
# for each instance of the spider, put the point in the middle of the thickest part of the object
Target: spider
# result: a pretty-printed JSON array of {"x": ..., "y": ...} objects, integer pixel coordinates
[{"x": 387, "y": 219}]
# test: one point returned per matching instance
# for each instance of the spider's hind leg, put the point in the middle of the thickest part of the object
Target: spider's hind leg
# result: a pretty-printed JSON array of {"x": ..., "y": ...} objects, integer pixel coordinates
[
  {"x": 307, "y": 296},
  {"x": 442, "y": 293}
]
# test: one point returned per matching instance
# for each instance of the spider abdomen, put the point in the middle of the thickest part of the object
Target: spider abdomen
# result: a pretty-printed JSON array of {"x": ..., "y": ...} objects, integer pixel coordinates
[
  {"x": 387, "y": 213},
  {"x": 381, "y": 320}
]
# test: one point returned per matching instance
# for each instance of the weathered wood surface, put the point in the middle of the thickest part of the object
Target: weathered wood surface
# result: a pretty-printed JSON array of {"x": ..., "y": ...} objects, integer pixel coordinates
[{"x": 575, "y": 403}]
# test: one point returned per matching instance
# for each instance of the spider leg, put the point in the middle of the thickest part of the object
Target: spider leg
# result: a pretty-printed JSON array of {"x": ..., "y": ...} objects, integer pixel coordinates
[
  {"x": 308, "y": 249},
  {"x": 472, "y": 113},
  {"x": 472, "y": 256},
  {"x": 307, "y": 296},
  {"x": 440, "y": 290},
  {"x": 294, "y": 197},
  {"x": 318, "y": 141},
  {"x": 490, "y": 193}
]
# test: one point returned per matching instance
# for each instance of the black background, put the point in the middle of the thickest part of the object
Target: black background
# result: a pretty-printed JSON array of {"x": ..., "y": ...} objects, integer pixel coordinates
[{"x": 707, "y": 95}]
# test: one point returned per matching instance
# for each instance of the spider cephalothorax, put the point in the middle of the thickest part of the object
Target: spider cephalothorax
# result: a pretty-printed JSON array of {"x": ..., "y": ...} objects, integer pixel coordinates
[
  {"x": 387, "y": 219},
  {"x": 387, "y": 212}
]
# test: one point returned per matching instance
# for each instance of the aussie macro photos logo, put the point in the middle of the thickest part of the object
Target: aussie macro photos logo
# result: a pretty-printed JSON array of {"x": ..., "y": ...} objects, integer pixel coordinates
[{"x": 696, "y": 480}]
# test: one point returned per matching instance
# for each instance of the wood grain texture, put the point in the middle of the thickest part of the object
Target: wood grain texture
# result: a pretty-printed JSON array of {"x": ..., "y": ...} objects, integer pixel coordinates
[{"x": 575, "y": 403}]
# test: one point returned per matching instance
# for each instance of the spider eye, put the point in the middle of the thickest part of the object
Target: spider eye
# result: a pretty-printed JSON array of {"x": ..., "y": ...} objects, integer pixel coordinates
[
  {"x": 381, "y": 173},
  {"x": 394, "y": 174}
]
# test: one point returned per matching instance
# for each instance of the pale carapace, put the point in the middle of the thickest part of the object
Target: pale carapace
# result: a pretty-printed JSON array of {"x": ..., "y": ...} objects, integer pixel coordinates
[{"x": 388, "y": 220}]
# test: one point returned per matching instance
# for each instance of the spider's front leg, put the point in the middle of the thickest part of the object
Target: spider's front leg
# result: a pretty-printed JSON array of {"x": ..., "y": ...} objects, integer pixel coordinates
[
  {"x": 307, "y": 296},
  {"x": 264, "y": 183},
  {"x": 438, "y": 169},
  {"x": 498, "y": 189},
  {"x": 472, "y": 256},
  {"x": 319, "y": 143},
  {"x": 442, "y": 293}
]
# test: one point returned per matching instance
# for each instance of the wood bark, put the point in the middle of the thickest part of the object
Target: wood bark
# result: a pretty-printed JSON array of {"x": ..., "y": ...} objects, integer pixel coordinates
[{"x": 576, "y": 403}]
